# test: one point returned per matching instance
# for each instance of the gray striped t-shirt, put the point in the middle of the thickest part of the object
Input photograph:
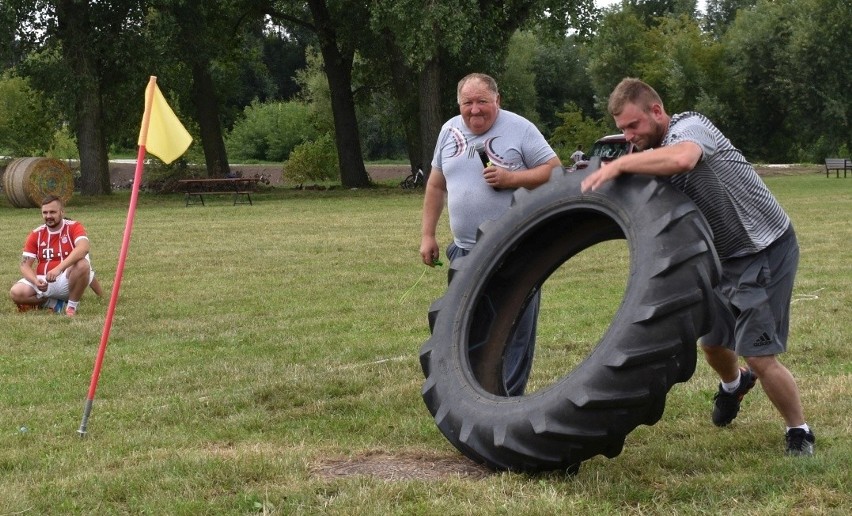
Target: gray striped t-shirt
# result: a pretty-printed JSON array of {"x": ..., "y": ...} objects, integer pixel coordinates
[{"x": 744, "y": 215}]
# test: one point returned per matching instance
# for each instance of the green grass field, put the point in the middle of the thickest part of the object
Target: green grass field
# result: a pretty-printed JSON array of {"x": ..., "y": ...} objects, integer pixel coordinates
[{"x": 255, "y": 349}]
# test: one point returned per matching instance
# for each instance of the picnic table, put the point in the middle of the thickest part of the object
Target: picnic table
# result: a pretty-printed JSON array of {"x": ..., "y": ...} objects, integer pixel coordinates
[{"x": 196, "y": 188}]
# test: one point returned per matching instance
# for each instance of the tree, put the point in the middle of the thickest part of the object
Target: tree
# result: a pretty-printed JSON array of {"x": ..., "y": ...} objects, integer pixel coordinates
[
  {"x": 10, "y": 47},
  {"x": 768, "y": 76},
  {"x": 561, "y": 77},
  {"x": 650, "y": 11},
  {"x": 74, "y": 28},
  {"x": 517, "y": 82},
  {"x": 283, "y": 54},
  {"x": 720, "y": 14},
  {"x": 577, "y": 129},
  {"x": 27, "y": 123},
  {"x": 680, "y": 61},
  {"x": 78, "y": 56},
  {"x": 761, "y": 99},
  {"x": 411, "y": 33},
  {"x": 270, "y": 131},
  {"x": 442, "y": 42},
  {"x": 820, "y": 96},
  {"x": 620, "y": 49},
  {"x": 200, "y": 33},
  {"x": 338, "y": 25}
]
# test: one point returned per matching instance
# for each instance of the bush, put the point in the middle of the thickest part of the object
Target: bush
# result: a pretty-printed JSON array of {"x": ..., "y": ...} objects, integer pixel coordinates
[
  {"x": 64, "y": 145},
  {"x": 313, "y": 161},
  {"x": 160, "y": 178},
  {"x": 27, "y": 120},
  {"x": 819, "y": 150},
  {"x": 270, "y": 131},
  {"x": 576, "y": 129}
]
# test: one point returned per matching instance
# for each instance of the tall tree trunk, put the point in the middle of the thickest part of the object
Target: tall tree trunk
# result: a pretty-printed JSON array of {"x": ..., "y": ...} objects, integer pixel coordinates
[
  {"x": 404, "y": 87},
  {"x": 353, "y": 174},
  {"x": 431, "y": 118},
  {"x": 338, "y": 69},
  {"x": 207, "y": 115},
  {"x": 88, "y": 110},
  {"x": 94, "y": 159}
]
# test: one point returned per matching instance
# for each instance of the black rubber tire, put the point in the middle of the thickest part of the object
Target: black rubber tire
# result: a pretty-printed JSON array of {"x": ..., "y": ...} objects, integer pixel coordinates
[{"x": 649, "y": 346}]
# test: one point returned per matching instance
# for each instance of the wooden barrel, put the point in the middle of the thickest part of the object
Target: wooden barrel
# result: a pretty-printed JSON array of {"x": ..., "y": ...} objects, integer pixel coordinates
[{"x": 29, "y": 180}]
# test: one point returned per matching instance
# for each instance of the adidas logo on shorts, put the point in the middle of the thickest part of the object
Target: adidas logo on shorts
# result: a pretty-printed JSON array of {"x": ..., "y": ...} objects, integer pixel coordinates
[{"x": 763, "y": 340}]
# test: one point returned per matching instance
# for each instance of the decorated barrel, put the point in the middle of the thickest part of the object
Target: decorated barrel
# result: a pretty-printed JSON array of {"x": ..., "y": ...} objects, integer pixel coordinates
[{"x": 29, "y": 180}]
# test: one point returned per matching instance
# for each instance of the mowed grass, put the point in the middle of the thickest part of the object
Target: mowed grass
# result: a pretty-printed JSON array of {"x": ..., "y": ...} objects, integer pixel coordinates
[{"x": 254, "y": 345}]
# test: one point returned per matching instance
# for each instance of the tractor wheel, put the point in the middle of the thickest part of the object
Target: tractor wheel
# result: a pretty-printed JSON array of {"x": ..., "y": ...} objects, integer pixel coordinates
[{"x": 648, "y": 347}]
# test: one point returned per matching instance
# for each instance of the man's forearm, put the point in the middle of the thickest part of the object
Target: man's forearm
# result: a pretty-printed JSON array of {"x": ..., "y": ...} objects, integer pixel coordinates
[
  {"x": 27, "y": 271},
  {"x": 662, "y": 161},
  {"x": 433, "y": 205},
  {"x": 536, "y": 176},
  {"x": 77, "y": 254}
]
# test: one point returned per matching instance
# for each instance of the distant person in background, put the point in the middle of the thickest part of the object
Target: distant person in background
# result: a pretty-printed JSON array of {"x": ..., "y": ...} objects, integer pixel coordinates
[
  {"x": 55, "y": 264},
  {"x": 517, "y": 156},
  {"x": 752, "y": 234},
  {"x": 578, "y": 154}
]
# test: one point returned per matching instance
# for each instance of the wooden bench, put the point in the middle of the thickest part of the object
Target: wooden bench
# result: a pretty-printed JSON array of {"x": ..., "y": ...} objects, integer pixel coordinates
[
  {"x": 837, "y": 164},
  {"x": 240, "y": 187}
]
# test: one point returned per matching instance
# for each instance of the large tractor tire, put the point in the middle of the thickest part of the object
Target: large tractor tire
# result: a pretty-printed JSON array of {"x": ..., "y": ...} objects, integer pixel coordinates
[{"x": 649, "y": 346}]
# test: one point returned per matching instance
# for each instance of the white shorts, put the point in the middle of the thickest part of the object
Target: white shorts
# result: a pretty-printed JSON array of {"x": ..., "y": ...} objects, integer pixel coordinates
[{"x": 57, "y": 289}]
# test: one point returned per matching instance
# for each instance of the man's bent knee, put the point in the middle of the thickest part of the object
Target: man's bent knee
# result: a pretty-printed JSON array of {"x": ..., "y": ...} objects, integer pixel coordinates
[
  {"x": 78, "y": 271},
  {"x": 715, "y": 350},
  {"x": 760, "y": 364},
  {"x": 20, "y": 293}
]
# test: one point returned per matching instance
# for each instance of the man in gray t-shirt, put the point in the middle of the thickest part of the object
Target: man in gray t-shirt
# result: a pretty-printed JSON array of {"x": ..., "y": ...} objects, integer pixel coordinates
[
  {"x": 516, "y": 155},
  {"x": 752, "y": 235}
]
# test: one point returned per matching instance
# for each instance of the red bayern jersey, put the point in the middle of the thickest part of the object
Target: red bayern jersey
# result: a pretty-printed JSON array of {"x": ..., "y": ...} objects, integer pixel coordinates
[{"x": 51, "y": 247}]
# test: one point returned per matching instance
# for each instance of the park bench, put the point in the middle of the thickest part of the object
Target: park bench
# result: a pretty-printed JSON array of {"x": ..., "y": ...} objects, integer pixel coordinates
[
  {"x": 837, "y": 164},
  {"x": 240, "y": 187}
]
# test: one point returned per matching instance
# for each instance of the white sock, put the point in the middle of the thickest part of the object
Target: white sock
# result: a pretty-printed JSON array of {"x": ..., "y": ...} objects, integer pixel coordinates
[
  {"x": 731, "y": 387},
  {"x": 73, "y": 304},
  {"x": 803, "y": 426}
]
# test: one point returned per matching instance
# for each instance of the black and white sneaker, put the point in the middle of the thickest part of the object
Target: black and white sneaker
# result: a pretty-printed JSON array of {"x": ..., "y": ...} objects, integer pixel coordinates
[
  {"x": 726, "y": 405},
  {"x": 800, "y": 443}
]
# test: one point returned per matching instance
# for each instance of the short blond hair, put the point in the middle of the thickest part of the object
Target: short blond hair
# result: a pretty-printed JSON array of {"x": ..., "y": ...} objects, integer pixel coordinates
[{"x": 632, "y": 91}]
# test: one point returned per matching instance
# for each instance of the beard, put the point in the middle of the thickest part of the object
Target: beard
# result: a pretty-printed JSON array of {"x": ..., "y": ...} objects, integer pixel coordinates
[{"x": 654, "y": 138}]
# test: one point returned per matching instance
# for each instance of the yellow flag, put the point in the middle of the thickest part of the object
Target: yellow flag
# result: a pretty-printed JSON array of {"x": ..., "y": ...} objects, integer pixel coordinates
[{"x": 166, "y": 138}]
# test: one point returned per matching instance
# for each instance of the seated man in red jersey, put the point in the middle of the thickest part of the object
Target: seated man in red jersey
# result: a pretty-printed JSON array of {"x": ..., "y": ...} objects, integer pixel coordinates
[{"x": 55, "y": 264}]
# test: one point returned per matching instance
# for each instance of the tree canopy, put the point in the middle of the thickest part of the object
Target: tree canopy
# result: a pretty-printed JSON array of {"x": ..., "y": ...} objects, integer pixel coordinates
[{"x": 773, "y": 75}]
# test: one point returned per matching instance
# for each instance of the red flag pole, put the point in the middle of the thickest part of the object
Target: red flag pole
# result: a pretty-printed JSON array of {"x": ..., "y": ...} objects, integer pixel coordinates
[{"x": 128, "y": 229}]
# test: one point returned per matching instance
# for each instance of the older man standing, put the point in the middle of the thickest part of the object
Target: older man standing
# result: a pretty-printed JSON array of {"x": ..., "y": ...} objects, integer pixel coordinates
[{"x": 483, "y": 155}]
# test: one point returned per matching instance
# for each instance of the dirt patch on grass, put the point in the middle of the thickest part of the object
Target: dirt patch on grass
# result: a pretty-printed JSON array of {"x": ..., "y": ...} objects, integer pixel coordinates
[
  {"x": 788, "y": 170},
  {"x": 405, "y": 466}
]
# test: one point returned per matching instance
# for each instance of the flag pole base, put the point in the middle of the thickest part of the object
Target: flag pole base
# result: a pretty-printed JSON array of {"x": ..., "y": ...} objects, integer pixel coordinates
[{"x": 87, "y": 411}]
